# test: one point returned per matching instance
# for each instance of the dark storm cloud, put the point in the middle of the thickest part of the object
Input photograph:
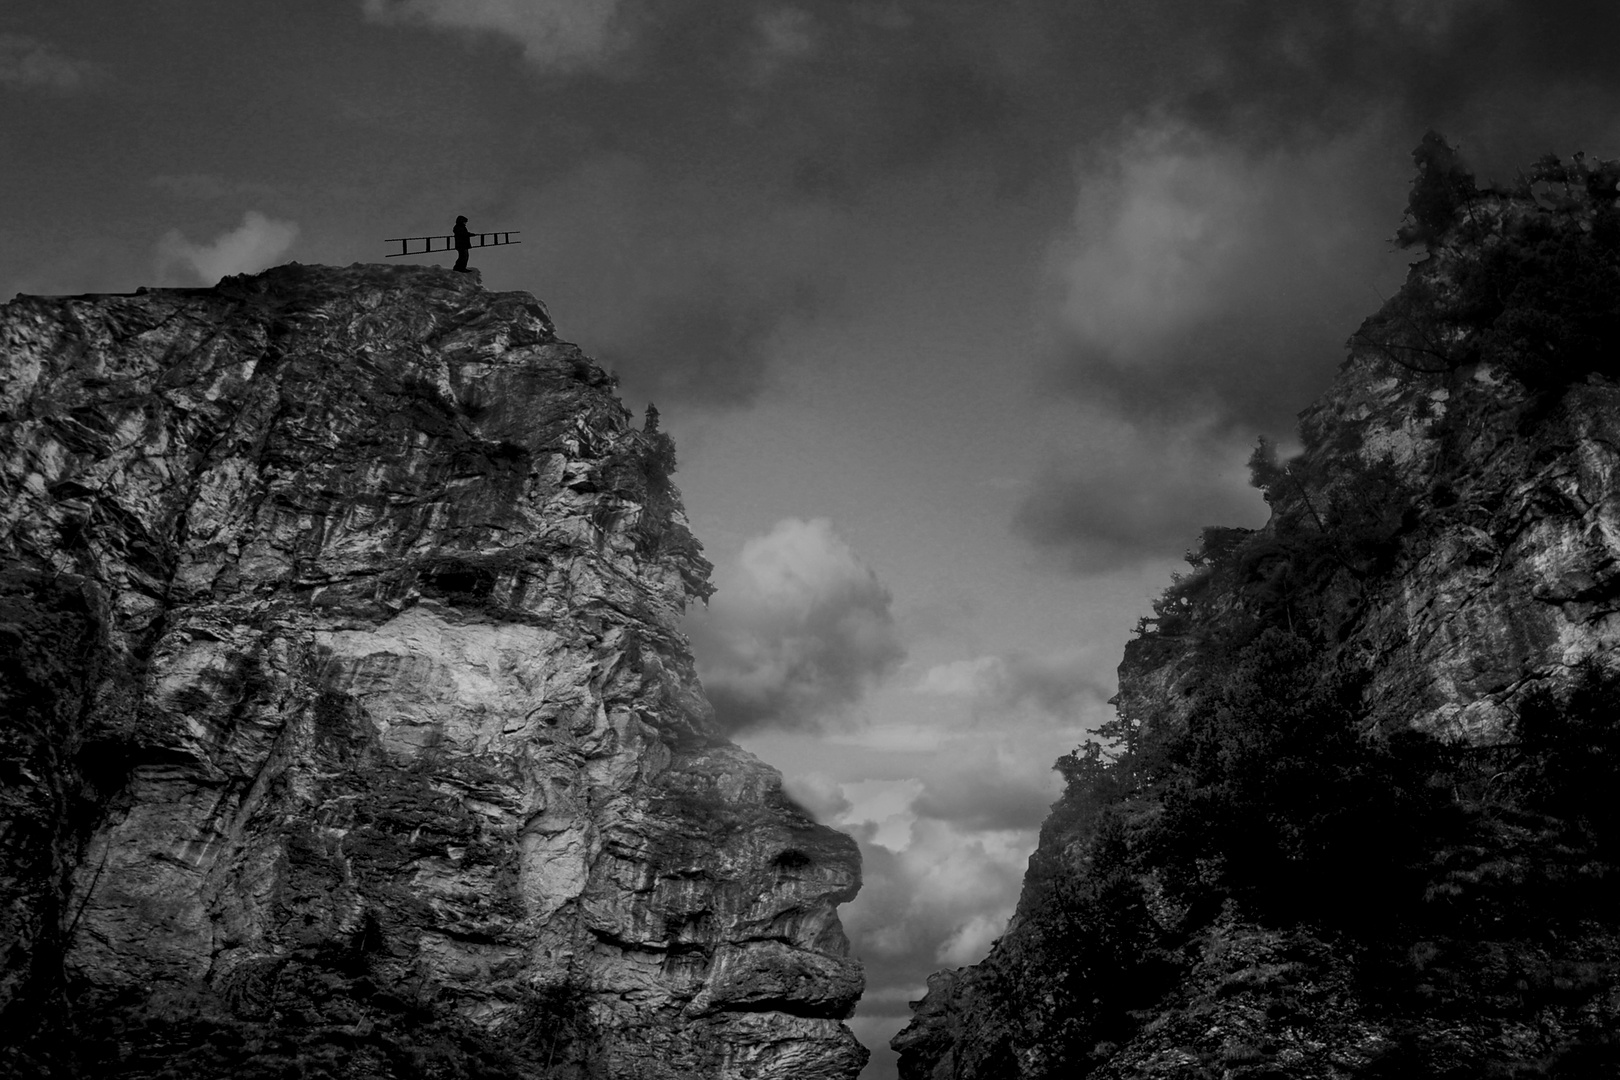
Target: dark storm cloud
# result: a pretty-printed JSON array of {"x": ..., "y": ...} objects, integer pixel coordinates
[
  {"x": 1435, "y": 61},
  {"x": 710, "y": 342},
  {"x": 797, "y": 634},
  {"x": 746, "y": 122},
  {"x": 693, "y": 177},
  {"x": 678, "y": 284},
  {"x": 813, "y": 94}
]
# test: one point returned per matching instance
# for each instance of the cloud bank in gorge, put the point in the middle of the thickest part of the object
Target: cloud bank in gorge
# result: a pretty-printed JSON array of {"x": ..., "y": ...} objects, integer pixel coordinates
[
  {"x": 939, "y": 902},
  {"x": 257, "y": 243},
  {"x": 797, "y": 633}
]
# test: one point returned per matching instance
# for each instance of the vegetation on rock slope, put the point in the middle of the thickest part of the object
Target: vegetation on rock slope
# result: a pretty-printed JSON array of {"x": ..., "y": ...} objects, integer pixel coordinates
[{"x": 1262, "y": 874}]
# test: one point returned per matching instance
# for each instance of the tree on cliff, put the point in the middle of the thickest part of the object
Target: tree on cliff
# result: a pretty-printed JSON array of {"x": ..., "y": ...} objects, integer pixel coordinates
[{"x": 1442, "y": 184}]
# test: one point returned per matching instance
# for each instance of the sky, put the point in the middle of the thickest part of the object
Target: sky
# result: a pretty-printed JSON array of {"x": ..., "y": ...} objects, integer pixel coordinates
[{"x": 964, "y": 315}]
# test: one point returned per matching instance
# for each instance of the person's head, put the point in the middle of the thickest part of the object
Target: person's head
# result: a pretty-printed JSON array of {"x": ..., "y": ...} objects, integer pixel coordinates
[{"x": 462, "y": 220}]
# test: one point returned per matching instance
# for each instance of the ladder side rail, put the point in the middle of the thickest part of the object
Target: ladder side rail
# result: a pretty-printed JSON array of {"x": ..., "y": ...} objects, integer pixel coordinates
[{"x": 489, "y": 239}]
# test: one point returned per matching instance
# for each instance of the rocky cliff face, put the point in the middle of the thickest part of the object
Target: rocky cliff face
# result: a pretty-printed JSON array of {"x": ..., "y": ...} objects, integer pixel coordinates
[
  {"x": 348, "y": 727},
  {"x": 1357, "y": 817}
]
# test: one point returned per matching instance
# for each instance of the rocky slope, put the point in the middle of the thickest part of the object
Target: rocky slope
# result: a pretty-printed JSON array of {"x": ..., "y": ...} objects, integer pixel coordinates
[
  {"x": 1356, "y": 819},
  {"x": 348, "y": 728}
]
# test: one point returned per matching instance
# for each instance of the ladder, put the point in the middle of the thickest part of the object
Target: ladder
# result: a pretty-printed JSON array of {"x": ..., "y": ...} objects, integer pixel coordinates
[{"x": 478, "y": 240}]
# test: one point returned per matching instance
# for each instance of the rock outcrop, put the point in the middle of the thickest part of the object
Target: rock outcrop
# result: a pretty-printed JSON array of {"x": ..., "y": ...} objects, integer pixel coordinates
[
  {"x": 348, "y": 726},
  {"x": 1357, "y": 818}
]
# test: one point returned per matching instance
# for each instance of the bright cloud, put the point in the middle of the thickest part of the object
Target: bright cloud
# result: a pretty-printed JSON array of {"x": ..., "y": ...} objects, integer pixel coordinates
[
  {"x": 28, "y": 63},
  {"x": 962, "y": 678},
  {"x": 800, "y": 631},
  {"x": 556, "y": 34},
  {"x": 257, "y": 243},
  {"x": 819, "y": 794},
  {"x": 916, "y": 902},
  {"x": 1154, "y": 242},
  {"x": 1203, "y": 293},
  {"x": 945, "y": 826},
  {"x": 972, "y": 940},
  {"x": 1204, "y": 278},
  {"x": 1052, "y": 682}
]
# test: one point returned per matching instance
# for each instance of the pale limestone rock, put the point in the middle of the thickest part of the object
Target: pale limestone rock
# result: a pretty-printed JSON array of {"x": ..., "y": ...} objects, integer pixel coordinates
[{"x": 379, "y": 687}]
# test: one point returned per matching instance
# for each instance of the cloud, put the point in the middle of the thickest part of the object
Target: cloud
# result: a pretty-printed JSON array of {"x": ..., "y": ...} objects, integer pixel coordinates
[
  {"x": 1265, "y": 72},
  {"x": 1053, "y": 683},
  {"x": 680, "y": 284},
  {"x": 252, "y": 246},
  {"x": 937, "y": 902},
  {"x": 820, "y": 795},
  {"x": 971, "y": 940},
  {"x": 209, "y": 187},
  {"x": 804, "y": 627},
  {"x": 1126, "y": 492},
  {"x": 963, "y": 678},
  {"x": 785, "y": 34},
  {"x": 1202, "y": 279},
  {"x": 919, "y": 898},
  {"x": 945, "y": 823},
  {"x": 787, "y": 31},
  {"x": 560, "y": 35},
  {"x": 989, "y": 795},
  {"x": 28, "y": 63}
]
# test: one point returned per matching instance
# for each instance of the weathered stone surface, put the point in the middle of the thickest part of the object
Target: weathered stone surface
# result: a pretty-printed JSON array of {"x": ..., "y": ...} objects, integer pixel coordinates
[
  {"x": 1516, "y": 579},
  {"x": 341, "y": 618}
]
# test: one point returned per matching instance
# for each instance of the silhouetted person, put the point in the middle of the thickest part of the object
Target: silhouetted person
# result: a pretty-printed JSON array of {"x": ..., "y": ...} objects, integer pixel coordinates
[{"x": 463, "y": 243}]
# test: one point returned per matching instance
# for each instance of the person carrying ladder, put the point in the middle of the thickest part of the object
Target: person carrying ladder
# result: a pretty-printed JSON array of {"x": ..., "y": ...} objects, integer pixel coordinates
[
  {"x": 463, "y": 243},
  {"x": 461, "y": 240}
]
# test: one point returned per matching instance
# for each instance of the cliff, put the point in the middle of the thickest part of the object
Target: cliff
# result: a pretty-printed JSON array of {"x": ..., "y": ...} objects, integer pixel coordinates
[
  {"x": 348, "y": 727},
  {"x": 1356, "y": 817}
]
